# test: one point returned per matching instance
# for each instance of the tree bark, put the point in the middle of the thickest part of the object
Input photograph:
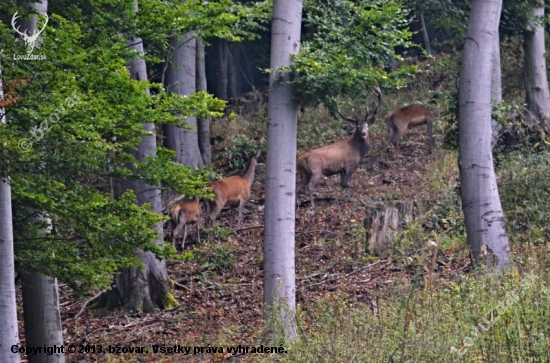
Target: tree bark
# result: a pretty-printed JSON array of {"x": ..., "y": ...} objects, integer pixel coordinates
[
  {"x": 537, "y": 95},
  {"x": 425, "y": 36},
  {"x": 203, "y": 124},
  {"x": 279, "y": 254},
  {"x": 483, "y": 214},
  {"x": 42, "y": 316},
  {"x": 233, "y": 85},
  {"x": 496, "y": 87},
  {"x": 9, "y": 334},
  {"x": 222, "y": 73},
  {"x": 383, "y": 223},
  {"x": 392, "y": 64},
  {"x": 181, "y": 80},
  {"x": 144, "y": 288}
]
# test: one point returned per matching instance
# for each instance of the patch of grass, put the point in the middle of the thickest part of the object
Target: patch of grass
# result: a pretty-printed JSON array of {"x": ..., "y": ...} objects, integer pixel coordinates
[
  {"x": 215, "y": 257},
  {"x": 219, "y": 232},
  {"x": 481, "y": 319},
  {"x": 525, "y": 194}
]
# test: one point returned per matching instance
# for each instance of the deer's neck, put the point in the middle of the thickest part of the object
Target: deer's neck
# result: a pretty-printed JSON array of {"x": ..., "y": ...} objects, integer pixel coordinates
[
  {"x": 360, "y": 144},
  {"x": 249, "y": 173}
]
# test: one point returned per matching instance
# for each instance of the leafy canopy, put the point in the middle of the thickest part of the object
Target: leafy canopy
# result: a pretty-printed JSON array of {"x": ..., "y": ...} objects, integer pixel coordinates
[{"x": 70, "y": 120}]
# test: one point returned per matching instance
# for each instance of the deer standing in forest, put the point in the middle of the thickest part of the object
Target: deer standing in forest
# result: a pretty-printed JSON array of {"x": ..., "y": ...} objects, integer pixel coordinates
[
  {"x": 339, "y": 158},
  {"x": 398, "y": 121},
  {"x": 233, "y": 191},
  {"x": 182, "y": 214}
]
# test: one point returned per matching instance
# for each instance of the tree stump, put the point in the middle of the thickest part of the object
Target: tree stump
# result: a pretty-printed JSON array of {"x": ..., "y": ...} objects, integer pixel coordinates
[{"x": 383, "y": 223}]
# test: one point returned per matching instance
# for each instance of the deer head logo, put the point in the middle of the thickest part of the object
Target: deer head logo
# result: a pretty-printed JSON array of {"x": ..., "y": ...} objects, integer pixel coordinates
[{"x": 32, "y": 39}]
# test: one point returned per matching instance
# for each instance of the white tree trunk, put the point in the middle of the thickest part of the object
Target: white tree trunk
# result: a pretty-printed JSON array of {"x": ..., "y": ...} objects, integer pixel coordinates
[
  {"x": 279, "y": 254},
  {"x": 143, "y": 289},
  {"x": 480, "y": 199},
  {"x": 203, "y": 124},
  {"x": 496, "y": 87},
  {"x": 181, "y": 80},
  {"x": 9, "y": 333},
  {"x": 536, "y": 83},
  {"x": 42, "y": 316}
]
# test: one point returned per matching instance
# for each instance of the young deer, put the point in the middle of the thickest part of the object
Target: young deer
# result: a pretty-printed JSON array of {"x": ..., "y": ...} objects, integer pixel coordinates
[
  {"x": 407, "y": 117},
  {"x": 233, "y": 191},
  {"x": 183, "y": 213},
  {"x": 339, "y": 158}
]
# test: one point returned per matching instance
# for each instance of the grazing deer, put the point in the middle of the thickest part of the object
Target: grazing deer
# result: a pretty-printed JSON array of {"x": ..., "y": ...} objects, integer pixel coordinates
[
  {"x": 339, "y": 158},
  {"x": 233, "y": 191},
  {"x": 182, "y": 214},
  {"x": 407, "y": 117}
]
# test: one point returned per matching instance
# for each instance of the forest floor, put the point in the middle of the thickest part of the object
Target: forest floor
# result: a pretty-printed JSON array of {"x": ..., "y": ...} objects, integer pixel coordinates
[{"x": 220, "y": 294}]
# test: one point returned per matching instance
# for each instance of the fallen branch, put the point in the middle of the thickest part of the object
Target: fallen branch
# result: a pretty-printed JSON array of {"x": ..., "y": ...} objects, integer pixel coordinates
[
  {"x": 346, "y": 275},
  {"x": 84, "y": 306}
]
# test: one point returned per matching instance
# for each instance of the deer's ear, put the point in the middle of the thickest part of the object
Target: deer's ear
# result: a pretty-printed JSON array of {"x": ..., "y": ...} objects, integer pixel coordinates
[
  {"x": 245, "y": 154},
  {"x": 371, "y": 119},
  {"x": 258, "y": 153}
]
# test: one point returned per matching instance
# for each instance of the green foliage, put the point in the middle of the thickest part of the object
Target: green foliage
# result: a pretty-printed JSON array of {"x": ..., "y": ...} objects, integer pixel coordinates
[
  {"x": 449, "y": 29},
  {"x": 215, "y": 257},
  {"x": 78, "y": 113},
  {"x": 345, "y": 48},
  {"x": 219, "y": 232},
  {"x": 525, "y": 194},
  {"x": 236, "y": 157}
]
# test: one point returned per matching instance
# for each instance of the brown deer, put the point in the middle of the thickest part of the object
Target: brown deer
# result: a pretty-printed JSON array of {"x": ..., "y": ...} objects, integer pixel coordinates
[
  {"x": 407, "y": 117},
  {"x": 233, "y": 191},
  {"x": 181, "y": 215},
  {"x": 339, "y": 158}
]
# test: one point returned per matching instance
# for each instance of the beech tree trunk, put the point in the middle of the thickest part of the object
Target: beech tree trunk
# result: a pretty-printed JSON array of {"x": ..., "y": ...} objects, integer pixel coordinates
[
  {"x": 42, "y": 316},
  {"x": 203, "y": 124},
  {"x": 233, "y": 85},
  {"x": 147, "y": 288},
  {"x": 496, "y": 87},
  {"x": 537, "y": 95},
  {"x": 483, "y": 214},
  {"x": 222, "y": 71},
  {"x": 9, "y": 334},
  {"x": 279, "y": 254},
  {"x": 181, "y": 79},
  {"x": 425, "y": 36}
]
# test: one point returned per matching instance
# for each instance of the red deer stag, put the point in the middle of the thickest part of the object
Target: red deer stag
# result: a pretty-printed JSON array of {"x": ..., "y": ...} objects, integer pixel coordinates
[
  {"x": 182, "y": 214},
  {"x": 233, "y": 191},
  {"x": 407, "y": 117},
  {"x": 339, "y": 158}
]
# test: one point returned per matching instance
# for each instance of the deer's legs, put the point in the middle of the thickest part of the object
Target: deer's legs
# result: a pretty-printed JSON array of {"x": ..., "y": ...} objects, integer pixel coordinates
[
  {"x": 176, "y": 231},
  {"x": 312, "y": 183},
  {"x": 184, "y": 236}
]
